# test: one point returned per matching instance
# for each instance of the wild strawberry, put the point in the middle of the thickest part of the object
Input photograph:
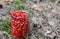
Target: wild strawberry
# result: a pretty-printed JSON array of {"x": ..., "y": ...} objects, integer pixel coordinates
[{"x": 20, "y": 24}]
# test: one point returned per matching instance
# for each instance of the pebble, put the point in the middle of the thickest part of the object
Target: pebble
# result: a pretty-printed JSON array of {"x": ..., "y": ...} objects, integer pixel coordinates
[{"x": 51, "y": 23}]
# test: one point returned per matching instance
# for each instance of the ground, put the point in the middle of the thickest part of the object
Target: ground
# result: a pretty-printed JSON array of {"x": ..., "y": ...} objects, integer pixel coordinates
[{"x": 44, "y": 16}]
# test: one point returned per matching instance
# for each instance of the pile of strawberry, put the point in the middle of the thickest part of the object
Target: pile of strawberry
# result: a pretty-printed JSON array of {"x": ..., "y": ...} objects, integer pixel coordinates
[{"x": 20, "y": 24}]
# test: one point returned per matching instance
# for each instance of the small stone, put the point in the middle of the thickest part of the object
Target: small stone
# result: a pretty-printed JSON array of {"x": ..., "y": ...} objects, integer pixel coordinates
[
  {"x": 51, "y": 23},
  {"x": 54, "y": 11},
  {"x": 48, "y": 32}
]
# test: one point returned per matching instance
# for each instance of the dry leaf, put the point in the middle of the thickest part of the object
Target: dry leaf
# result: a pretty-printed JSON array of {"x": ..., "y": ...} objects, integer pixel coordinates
[
  {"x": 54, "y": 11},
  {"x": 37, "y": 7}
]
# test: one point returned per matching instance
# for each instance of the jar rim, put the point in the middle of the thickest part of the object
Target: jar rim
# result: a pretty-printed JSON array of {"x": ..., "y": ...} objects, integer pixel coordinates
[{"x": 20, "y": 12}]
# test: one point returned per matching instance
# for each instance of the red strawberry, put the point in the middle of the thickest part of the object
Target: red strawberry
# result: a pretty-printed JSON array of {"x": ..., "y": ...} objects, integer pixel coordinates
[{"x": 20, "y": 24}]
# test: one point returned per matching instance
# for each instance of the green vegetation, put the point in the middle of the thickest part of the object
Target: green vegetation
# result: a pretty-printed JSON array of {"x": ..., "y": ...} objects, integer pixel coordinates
[
  {"x": 6, "y": 26},
  {"x": 19, "y": 1},
  {"x": 20, "y": 7}
]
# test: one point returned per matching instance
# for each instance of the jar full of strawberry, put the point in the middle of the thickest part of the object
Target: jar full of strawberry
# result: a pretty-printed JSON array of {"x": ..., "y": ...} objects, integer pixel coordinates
[{"x": 20, "y": 24}]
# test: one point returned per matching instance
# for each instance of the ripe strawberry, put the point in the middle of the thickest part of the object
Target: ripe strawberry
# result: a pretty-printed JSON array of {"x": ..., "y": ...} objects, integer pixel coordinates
[{"x": 20, "y": 24}]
